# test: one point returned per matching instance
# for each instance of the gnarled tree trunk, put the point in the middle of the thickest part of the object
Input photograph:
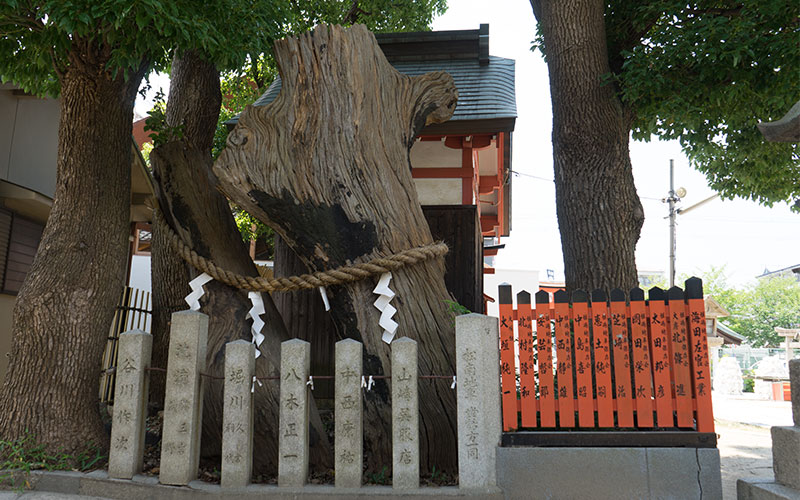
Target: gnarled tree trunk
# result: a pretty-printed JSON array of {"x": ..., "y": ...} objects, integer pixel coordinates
[
  {"x": 202, "y": 216},
  {"x": 64, "y": 309},
  {"x": 599, "y": 213},
  {"x": 327, "y": 166}
]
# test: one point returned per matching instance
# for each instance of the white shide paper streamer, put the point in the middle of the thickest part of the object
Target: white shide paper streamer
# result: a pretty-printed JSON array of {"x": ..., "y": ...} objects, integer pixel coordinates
[
  {"x": 255, "y": 312},
  {"x": 193, "y": 299},
  {"x": 325, "y": 298},
  {"x": 387, "y": 310},
  {"x": 367, "y": 383}
]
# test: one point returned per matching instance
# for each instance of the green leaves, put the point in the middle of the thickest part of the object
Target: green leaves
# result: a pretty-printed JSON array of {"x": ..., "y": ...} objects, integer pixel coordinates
[
  {"x": 705, "y": 73},
  {"x": 759, "y": 307}
]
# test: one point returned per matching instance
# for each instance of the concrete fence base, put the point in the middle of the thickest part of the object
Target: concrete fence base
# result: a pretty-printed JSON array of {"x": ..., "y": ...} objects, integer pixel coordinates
[
  {"x": 98, "y": 484},
  {"x": 609, "y": 473}
]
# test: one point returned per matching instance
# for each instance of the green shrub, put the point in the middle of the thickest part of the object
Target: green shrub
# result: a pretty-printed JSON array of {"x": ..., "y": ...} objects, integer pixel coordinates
[
  {"x": 748, "y": 377},
  {"x": 19, "y": 457}
]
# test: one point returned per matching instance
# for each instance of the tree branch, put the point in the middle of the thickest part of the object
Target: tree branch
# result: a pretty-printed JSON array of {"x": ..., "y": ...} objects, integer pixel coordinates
[
  {"x": 536, "y": 5},
  {"x": 732, "y": 12},
  {"x": 354, "y": 13}
]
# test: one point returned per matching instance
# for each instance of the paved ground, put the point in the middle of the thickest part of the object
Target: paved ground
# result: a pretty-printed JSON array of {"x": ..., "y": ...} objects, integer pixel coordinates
[
  {"x": 35, "y": 495},
  {"x": 745, "y": 444},
  {"x": 745, "y": 453}
]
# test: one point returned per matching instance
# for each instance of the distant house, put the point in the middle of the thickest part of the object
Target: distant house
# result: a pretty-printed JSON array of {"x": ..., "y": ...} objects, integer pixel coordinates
[
  {"x": 729, "y": 336},
  {"x": 462, "y": 167},
  {"x": 793, "y": 271},
  {"x": 28, "y": 152},
  {"x": 714, "y": 328}
]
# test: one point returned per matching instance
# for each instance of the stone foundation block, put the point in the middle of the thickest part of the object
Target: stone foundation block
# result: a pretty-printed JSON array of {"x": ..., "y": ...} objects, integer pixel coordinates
[{"x": 786, "y": 455}]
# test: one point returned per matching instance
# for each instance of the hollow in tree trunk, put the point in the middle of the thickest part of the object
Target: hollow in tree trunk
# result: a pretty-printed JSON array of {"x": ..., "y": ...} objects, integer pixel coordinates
[
  {"x": 64, "y": 309},
  {"x": 327, "y": 166}
]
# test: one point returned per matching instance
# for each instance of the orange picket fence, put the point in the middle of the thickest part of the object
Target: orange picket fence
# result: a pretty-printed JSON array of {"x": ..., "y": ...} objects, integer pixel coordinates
[{"x": 591, "y": 362}]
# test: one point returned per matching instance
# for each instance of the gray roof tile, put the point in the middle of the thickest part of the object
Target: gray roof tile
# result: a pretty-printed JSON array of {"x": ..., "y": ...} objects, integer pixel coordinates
[{"x": 484, "y": 92}]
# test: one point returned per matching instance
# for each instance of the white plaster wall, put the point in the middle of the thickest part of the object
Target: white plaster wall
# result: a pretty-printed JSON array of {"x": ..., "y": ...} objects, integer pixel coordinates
[
  {"x": 140, "y": 273},
  {"x": 438, "y": 191},
  {"x": 434, "y": 154},
  {"x": 29, "y": 142}
]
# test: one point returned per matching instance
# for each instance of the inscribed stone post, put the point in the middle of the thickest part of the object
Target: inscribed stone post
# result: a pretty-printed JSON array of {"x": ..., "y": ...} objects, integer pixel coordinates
[
  {"x": 237, "y": 414},
  {"x": 183, "y": 402},
  {"x": 478, "y": 397},
  {"x": 348, "y": 412},
  {"x": 405, "y": 415},
  {"x": 786, "y": 440},
  {"x": 794, "y": 381},
  {"x": 293, "y": 415},
  {"x": 126, "y": 453}
]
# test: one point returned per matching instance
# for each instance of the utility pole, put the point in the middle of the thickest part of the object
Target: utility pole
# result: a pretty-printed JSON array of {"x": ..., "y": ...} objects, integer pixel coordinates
[{"x": 671, "y": 199}]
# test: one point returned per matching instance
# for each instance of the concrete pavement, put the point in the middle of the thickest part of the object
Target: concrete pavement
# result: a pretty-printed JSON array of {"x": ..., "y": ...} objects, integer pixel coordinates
[
  {"x": 745, "y": 445},
  {"x": 43, "y": 495},
  {"x": 749, "y": 410}
]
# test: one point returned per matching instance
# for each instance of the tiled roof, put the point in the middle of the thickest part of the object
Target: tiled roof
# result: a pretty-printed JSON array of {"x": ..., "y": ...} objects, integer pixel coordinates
[{"x": 484, "y": 91}]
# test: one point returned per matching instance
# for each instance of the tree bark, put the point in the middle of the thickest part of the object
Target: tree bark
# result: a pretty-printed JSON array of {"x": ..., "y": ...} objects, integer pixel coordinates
[
  {"x": 327, "y": 166},
  {"x": 309, "y": 320},
  {"x": 194, "y": 104},
  {"x": 193, "y": 207},
  {"x": 599, "y": 212},
  {"x": 64, "y": 309}
]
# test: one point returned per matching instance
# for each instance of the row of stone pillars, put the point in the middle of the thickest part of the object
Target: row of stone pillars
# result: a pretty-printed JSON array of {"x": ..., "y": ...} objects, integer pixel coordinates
[{"x": 478, "y": 400}]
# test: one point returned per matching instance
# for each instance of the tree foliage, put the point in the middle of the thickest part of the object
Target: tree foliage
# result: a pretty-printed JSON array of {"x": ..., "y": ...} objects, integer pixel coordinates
[
  {"x": 757, "y": 308},
  {"x": 704, "y": 73},
  {"x": 38, "y": 39}
]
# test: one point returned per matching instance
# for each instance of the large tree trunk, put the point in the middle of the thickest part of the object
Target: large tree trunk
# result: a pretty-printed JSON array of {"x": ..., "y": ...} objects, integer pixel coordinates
[
  {"x": 327, "y": 166},
  {"x": 193, "y": 105},
  {"x": 64, "y": 309},
  {"x": 599, "y": 213},
  {"x": 193, "y": 206}
]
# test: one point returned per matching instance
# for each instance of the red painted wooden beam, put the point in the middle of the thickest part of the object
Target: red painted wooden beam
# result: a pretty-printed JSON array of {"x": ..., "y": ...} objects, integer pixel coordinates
[{"x": 441, "y": 173}]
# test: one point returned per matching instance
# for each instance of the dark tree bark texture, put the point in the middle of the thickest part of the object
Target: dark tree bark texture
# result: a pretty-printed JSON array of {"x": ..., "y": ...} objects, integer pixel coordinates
[
  {"x": 194, "y": 208},
  {"x": 327, "y": 166},
  {"x": 599, "y": 212},
  {"x": 308, "y": 319},
  {"x": 64, "y": 309},
  {"x": 195, "y": 100}
]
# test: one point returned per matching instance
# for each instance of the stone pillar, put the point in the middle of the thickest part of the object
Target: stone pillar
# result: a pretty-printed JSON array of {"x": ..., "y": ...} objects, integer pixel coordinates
[
  {"x": 478, "y": 397},
  {"x": 405, "y": 415},
  {"x": 237, "y": 414},
  {"x": 348, "y": 411},
  {"x": 183, "y": 402},
  {"x": 293, "y": 415},
  {"x": 126, "y": 453},
  {"x": 794, "y": 377},
  {"x": 714, "y": 344},
  {"x": 786, "y": 440}
]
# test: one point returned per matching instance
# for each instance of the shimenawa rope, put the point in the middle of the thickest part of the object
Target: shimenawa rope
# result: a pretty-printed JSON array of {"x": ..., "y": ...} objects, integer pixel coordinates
[{"x": 338, "y": 276}]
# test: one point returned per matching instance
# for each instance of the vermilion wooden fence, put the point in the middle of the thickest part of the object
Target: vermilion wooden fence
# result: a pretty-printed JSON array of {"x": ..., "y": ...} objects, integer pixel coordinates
[{"x": 621, "y": 363}]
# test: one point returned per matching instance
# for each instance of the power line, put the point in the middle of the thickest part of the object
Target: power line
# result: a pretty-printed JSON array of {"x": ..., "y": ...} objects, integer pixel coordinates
[
  {"x": 532, "y": 176},
  {"x": 523, "y": 174}
]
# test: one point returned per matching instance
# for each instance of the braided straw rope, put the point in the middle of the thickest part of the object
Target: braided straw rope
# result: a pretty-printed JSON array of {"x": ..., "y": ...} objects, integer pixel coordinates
[{"x": 338, "y": 276}]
